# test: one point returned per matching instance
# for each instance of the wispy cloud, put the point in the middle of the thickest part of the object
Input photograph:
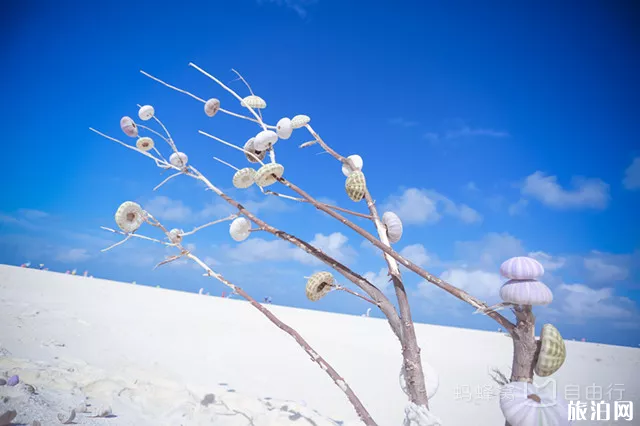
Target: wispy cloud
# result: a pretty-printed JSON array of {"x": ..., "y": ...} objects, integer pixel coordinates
[
  {"x": 399, "y": 121},
  {"x": 631, "y": 179},
  {"x": 586, "y": 193},
  {"x": 419, "y": 206},
  {"x": 466, "y": 132},
  {"x": 298, "y": 6}
]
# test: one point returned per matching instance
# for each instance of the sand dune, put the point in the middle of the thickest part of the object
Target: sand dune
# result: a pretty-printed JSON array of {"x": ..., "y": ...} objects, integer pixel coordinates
[{"x": 163, "y": 357}]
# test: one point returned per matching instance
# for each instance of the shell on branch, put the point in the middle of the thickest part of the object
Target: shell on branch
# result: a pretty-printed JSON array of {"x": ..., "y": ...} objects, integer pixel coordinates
[
  {"x": 244, "y": 178},
  {"x": 250, "y": 147},
  {"x": 129, "y": 216},
  {"x": 522, "y": 268},
  {"x": 268, "y": 174},
  {"x": 146, "y": 112},
  {"x": 393, "y": 225},
  {"x": 211, "y": 107},
  {"x": 239, "y": 229},
  {"x": 284, "y": 128},
  {"x": 552, "y": 351},
  {"x": 318, "y": 285},
  {"x": 526, "y": 292},
  {"x": 300, "y": 121},
  {"x": 253, "y": 101},
  {"x": 265, "y": 140},
  {"x": 129, "y": 127},
  {"x": 356, "y": 186},
  {"x": 525, "y": 404},
  {"x": 357, "y": 161},
  {"x": 179, "y": 159},
  {"x": 145, "y": 144},
  {"x": 175, "y": 235}
]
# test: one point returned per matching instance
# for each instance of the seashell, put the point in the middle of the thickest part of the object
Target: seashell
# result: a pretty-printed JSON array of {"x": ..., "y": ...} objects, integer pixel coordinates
[
  {"x": 146, "y": 112},
  {"x": 244, "y": 178},
  {"x": 179, "y": 159},
  {"x": 7, "y": 417},
  {"x": 175, "y": 235},
  {"x": 266, "y": 175},
  {"x": 265, "y": 140},
  {"x": 13, "y": 380},
  {"x": 318, "y": 285},
  {"x": 284, "y": 128},
  {"x": 526, "y": 292},
  {"x": 356, "y": 186},
  {"x": 249, "y": 146},
  {"x": 524, "y": 404},
  {"x": 211, "y": 107},
  {"x": 300, "y": 121},
  {"x": 357, "y": 161},
  {"x": 66, "y": 419},
  {"x": 552, "y": 351},
  {"x": 394, "y": 226},
  {"x": 239, "y": 229},
  {"x": 145, "y": 144},
  {"x": 103, "y": 412},
  {"x": 521, "y": 268},
  {"x": 253, "y": 101},
  {"x": 431, "y": 376},
  {"x": 128, "y": 127},
  {"x": 129, "y": 216}
]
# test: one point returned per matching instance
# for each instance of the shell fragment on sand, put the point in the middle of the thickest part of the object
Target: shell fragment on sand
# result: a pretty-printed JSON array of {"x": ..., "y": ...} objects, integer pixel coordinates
[
  {"x": 526, "y": 292},
  {"x": 522, "y": 268},
  {"x": 268, "y": 174},
  {"x": 318, "y": 285},
  {"x": 552, "y": 351},
  {"x": 356, "y": 186}
]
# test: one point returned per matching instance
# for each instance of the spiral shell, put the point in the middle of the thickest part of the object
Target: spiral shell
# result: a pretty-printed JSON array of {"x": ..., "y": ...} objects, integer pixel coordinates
[
  {"x": 552, "y": 351},
  {"x": 129, "y": 127},
  {"x": 129, "y": 216},
  {"x": 521, "y": 268},
  {"x": 175, "y": 235},
  {"x": 146, "y": 112},
  {"x": 239, "y": 229},
  {"x": 179, "y": 159},
  {"x": 250, "y": 147},
  {"x": 318, "y": 285},
  {"x": 145, "y": 144},
  {"x": 211, "y": 107},
  {"x": 356, "y": 186},
  {"x": 253, "y": 101},
  {"x": 300, "y": 121},
  {"x": 394, "y": 226},
  {"x": 244, "y": 178},
  {"x": 526, "y": 292},
  {"x": 284, "y": 128},
  {"x": 265, "y": 140},
  {"x": 525, "y": 404},
  {"x": 265, "y": 174},
  {"x": 357, "y": 161}
]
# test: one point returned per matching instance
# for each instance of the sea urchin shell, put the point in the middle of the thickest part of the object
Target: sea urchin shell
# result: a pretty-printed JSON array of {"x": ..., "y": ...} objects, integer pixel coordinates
[
  {"x": 239, "y": 229},
  {"x": 175, "y": 235},
  {"x": 526, "y": 292},
  {"x": 552, "y": 351},
  {"x": 129, "y": 216},
  {"x": 253, "y": 101},
  {"x": 145, "y": 144},
  {"x": 356, "y": 185},
  {"x": 357, "y": 161},
  {"x": 265, "y": 140},
  {"x": 393, "y": 225},
  {"x": 268, "y": 174},
  {"x": 211, "y": 107},
  {"x": 250, "y": 148},
  {"x": 318, "y": 285},
  {"x": 300, "y": 121},
  {"x": 146, "y": 112},
  {"x": 244, "y": 178},
  {"x": 522, "y": 268},
  {"x": 284, "y": 128},
  {"x": 129, "y": 127},
  {"x": 179, "y": 159}
]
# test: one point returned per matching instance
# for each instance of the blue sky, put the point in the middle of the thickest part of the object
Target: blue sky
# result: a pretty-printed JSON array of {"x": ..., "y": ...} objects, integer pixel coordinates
[{"x": 493, "y": 131}]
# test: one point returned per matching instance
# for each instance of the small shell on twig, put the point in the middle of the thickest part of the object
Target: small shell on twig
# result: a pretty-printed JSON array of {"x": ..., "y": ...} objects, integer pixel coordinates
[
  {"x": 239, "y": 229},
  {"x": 318, "y": 285},
  {"x": 356, "y": 186},
  {"x": 265, "y": 140},
  {"x": 300, "y": 121},
  {"x": 253, "y": 101},
  {"x": 284, "y": 128},
  {"x": 211, "y": 107},
  {"x": 552, "y": 351},
  {"x": 393, "y": 225},
  {"x": 357, "y": 161},
  {"x": 128, "y": 127},
  {"x": 175, "y": 235},
  {"x": 66, "y": 419},
  {"x": 268, "y": 174},
  {"x": 129, "y": 216},
  {"x": 250, "y": 147},
  {"x": 244, "y": 178},
  {"x": 179, "y": 159},
  {"x": 145, "y": 144},
  {"x": 146, "y": 112}
]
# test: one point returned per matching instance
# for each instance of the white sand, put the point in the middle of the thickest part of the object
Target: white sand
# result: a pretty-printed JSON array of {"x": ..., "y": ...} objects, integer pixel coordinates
[{"x": 153, "y": 354}]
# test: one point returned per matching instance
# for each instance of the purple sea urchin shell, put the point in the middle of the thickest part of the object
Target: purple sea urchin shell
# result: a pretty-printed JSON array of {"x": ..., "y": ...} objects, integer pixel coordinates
[
  {"x": 522, "y": 268},
  {"x": 13, "y": 380}
]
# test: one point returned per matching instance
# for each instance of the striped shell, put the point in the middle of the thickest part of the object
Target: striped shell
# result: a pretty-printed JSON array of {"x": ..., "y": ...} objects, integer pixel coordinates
[
  {"x": 175, "y": 235},
  {"x": 129, "y": 216},
  {"x": 356, "y": 186},
  {"x": 239, "y": 229},
  {"x": 526, "y": 292},
  {"x": 394, "y": 226},
  {"x": 146, "y": 112},
  {"x": 265, "y": 140},
  {"x": 300, "y": 121},
  {"x": 284, "y": 128},
  {"x": 525, "y": 404},
  {"x": 357, "y": 161},
  {"x": 144, "y": 144},
  {"x": 179, "y": 159},
  {"x": 552, "y": 351},
  {"x": 244, "y": 178},
  {"x": 249, "y": 146},
  {"x": 264, "y": 175},
  {"x": 253, "y": 101},
  {"x": 318, "y": 285},
  {"x": 211, "y": 107},
  {"x": 522, "y": 268},
  {"x": 128, "y": 127}
]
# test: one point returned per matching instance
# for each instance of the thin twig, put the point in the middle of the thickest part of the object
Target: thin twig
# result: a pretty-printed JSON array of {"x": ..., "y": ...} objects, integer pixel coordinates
[
  {"x": 340, "y": 288},
  {"x": 307, "y": 144},
  {"x": 231, "y": 145},
  {"x": 117, "y": 244},
  {"x": 302, "y": 200},
  {"x": 154, "y": 132},
  {"x": 167, "y": 180},
  {"x": 196, "y": 229},
  {"x": 158, "y": 162},
  {"x": 137, "y": 236},
  {"x": 226, "y": 164}
]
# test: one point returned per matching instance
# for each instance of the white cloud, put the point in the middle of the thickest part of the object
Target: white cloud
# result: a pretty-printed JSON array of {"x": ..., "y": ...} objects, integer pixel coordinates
[
  {"x": 417, "y": 254},
  {"x": 298, "y": 6},
  {"x": 601, "y": 269},
  {"x": 73, "y": 255},
  {"x": 489, "y": 252},
  {"x": 33, "y": 214},
  {"x": 471, "y": 186},
  {"x": 587, "y": 193},
  {"x": 164, "y": 208},
  {"x": 550, "y": 263},
  {"x": 581, "y": 302},
  {"x": 419, "y": 206},
  {"x": 518, "y": 207},
  {"x": 382, "y": 280},
  {"x": 482, "y": 284},
  {"x": 399, "y": 121},
  {"x": 631, "y": 179},
  {"x": 467, "y": 131}
]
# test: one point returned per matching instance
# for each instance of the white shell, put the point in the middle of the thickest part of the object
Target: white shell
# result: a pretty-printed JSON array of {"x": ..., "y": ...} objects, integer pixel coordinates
[
  {"x": 357, "y": 161},
  {"x": 179, "y": 159},
  {"x": 253, "y": 101},
  {"x": 211, "y": 107},
  {"x": 394, "y": 226},
  {"x": 146, "y": 112},
  {"x": 526, "y": 292},
  {"x": 244, "y": 178},
  {"x": 66, "y": 419},
  {"x": 521, "y": 268},
  {"x": 431, "y": 376},
  {"x": 145, "y": 144},
  {"x": 265, "y": 140},
  {"x": 129, "y": 216},
  {"x": 300, "y": 121},
  {"x": 520, "y": 410},
  {"x": 175, "y": 235},
  {"x": 252, "y": 149},
  {"x": 103, "y": 412},
  {"x": 264, "y": 175},
  {"x": 552, "y": 351},
  {"x": 128, "y": 127},
  {"x": 284, "y": 128},
  {"x": 239, "y": 229}
]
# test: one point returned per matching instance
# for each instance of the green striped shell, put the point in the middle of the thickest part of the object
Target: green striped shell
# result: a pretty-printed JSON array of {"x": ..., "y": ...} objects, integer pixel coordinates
[
  {"x": 244, "y": 178},
  {"x": 552, "y": 351},
  {"x": 356, "y": 185},
  {"x": 318, "y": 285},
  {"x": 253, "y": 101},
  {"x": 265, "y": 174}
]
